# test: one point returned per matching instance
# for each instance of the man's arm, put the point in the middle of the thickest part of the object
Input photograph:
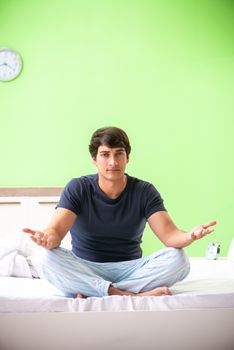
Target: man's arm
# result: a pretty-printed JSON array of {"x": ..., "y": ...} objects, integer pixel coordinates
[
  {"x": 58, "y": 227},
  {"x": 165, "y": 229}
]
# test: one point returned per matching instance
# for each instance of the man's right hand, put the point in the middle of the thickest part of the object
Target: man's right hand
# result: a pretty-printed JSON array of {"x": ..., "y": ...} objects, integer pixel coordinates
[{"x": 43, "y": 239}]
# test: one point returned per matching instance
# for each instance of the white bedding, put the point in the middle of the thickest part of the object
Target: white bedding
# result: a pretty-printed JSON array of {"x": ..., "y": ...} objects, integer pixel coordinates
[{"x": 210, "y": 284}]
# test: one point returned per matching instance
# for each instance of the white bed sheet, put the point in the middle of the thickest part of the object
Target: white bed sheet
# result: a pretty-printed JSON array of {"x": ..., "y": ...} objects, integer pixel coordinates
[{"x": 210, "y": 284}]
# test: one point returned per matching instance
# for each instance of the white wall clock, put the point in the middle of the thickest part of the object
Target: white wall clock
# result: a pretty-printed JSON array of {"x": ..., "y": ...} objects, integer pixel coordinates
[{"x": 10, "y": 64}]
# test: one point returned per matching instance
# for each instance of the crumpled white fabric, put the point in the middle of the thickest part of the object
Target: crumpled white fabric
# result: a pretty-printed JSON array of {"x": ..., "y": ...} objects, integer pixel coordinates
[
  {"x": 16, "y": 251},
  {"x": 15, "y": 264}
]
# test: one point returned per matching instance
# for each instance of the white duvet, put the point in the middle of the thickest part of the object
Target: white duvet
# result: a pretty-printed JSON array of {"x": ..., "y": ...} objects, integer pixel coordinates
[{"x": 210, "y": 284}]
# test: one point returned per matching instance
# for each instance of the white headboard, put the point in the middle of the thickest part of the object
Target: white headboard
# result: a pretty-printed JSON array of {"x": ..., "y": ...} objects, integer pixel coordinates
[{"x": 27, "y": 207}]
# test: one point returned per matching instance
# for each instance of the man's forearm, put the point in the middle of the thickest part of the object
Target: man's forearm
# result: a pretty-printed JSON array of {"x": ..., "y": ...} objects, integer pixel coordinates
[{"x": 178, "y": 239}]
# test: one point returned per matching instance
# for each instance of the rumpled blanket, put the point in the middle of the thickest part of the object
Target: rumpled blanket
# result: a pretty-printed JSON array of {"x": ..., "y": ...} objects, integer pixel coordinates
[
  {"x": 15, "y": 264},
  {"x": 17, "y": 256}
]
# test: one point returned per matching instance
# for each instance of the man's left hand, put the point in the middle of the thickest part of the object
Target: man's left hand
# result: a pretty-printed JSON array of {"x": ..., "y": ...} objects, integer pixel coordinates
[{"x": 201, "y": 231}]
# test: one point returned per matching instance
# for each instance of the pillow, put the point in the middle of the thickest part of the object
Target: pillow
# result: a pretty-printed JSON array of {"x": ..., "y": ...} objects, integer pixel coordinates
[
  {"x": 230, "y": 254},
  {"x": 19, "y": 255},
  {"x": 19, "y": 241}
]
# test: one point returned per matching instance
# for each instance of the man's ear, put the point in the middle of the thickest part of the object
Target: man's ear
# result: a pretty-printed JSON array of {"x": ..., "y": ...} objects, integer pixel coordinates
[{"x": 94, "y": 161}]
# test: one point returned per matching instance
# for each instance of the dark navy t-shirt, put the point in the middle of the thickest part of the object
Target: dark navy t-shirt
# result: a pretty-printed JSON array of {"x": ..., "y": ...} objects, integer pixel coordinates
[{"x": 108, "y": 230}]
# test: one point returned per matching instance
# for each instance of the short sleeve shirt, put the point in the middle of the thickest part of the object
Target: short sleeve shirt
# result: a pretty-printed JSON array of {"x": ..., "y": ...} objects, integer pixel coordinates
[{"x": 105, "y": 229}]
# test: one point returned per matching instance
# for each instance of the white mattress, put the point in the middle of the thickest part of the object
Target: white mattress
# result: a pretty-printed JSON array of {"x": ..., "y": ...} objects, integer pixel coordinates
[{"x": 210, "y": 284}]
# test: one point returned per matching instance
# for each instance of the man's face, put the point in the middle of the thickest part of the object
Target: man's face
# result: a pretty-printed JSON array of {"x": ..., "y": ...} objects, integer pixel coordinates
[{"x": 111, "y": 162}]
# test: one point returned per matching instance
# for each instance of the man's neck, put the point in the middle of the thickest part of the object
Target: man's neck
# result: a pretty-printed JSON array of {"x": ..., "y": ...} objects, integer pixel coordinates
[{"x": 112, "y": 188}]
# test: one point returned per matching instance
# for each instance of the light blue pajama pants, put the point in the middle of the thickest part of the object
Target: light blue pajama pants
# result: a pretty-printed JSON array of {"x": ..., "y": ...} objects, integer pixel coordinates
[{"x": 72, "y": 275}]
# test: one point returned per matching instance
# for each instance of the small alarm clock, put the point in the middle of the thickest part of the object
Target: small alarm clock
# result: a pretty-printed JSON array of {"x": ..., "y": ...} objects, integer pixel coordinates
[{"x": 212, "y": 251}]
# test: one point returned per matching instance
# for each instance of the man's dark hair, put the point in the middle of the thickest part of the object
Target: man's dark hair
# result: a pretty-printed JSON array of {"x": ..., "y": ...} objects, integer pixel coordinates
[{"x": 110, "y": 136}]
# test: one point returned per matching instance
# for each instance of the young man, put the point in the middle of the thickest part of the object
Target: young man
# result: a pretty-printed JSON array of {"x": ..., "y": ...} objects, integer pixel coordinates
[{"x": 106, "y": 214}]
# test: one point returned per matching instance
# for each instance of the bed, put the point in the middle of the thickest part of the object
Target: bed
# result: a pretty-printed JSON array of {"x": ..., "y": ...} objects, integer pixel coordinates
[
  {"x": 199, "y": 315},
  {"x": 35, "y": 315}
]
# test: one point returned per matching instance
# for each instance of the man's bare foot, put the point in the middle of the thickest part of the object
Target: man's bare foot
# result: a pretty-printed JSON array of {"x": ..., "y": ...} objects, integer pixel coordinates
[
  {"x": 154, "y": 292},
  {"x": 80, "y": 296},
  {"x": 157, "y": 292}
]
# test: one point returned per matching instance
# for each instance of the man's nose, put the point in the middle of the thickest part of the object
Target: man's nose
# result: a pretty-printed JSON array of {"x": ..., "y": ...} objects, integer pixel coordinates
[{"x": 112, "y": 160}]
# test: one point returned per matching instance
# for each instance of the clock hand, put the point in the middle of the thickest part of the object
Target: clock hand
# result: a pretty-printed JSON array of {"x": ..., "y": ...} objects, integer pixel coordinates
[{"x": 7, "y": 65}]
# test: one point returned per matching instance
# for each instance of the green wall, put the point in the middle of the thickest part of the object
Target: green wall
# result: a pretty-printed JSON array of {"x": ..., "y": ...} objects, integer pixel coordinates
[{"x": 161, "y": 70}]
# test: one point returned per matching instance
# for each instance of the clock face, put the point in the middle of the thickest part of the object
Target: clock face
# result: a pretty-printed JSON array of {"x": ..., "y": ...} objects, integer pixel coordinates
[{"x": 10, "y": 64}]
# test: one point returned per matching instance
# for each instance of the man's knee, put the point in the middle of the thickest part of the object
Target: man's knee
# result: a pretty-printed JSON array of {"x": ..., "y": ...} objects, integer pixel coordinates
[
  {"x": 50, "y": 259},
  {"x": 56, "y": 254},
  {"x": 179, "y": 259}
]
